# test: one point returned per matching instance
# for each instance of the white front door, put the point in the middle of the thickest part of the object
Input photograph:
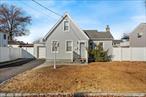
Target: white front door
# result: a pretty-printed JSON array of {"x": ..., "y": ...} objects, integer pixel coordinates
[{"x": 82, "y": 50}]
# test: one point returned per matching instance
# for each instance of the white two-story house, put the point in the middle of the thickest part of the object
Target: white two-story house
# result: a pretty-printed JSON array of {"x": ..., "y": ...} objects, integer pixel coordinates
[{"x": 3, "y": 39}]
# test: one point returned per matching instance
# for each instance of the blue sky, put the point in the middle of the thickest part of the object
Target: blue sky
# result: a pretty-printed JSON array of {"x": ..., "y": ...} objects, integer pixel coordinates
[{"x": 121, "y": 15}]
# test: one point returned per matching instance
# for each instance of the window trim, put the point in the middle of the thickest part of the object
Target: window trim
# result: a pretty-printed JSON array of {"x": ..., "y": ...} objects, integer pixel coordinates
[
  {"x": 51, "y": 47},
  {"x": 68, "y": 25},
  {"x": 66, "y": 46}
]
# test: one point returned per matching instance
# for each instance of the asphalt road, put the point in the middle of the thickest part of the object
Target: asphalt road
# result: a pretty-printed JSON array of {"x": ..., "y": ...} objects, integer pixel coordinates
[{"x": 7, "y": 73}]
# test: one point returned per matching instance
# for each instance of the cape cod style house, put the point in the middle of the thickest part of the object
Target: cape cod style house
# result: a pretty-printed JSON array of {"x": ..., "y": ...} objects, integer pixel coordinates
[
  {"x": 68, "y": 43},
  {"x": 3, "y": 39}
]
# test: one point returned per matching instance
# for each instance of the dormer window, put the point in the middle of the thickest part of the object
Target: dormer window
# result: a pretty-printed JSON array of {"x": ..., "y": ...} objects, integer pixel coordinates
[
  {"x": 139, "y": 35},
  {"x": 66, "y": 25}
]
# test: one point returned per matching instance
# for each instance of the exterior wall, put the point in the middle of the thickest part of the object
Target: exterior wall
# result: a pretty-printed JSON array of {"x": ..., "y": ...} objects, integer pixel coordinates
[
  {"x": 134, "y": 40},
  {"x": 129, "y": 54},
  {"x": 58, "y": 34},
  {"x": 3, "y": 42},
  {"x": 36, "y": 48},
  {"x": 107, "y": 45},
  {"x": 124, "y": 44}
]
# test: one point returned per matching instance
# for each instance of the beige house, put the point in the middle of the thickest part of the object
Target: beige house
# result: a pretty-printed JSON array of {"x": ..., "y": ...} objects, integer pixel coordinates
[{"x": 138, "y": 36}]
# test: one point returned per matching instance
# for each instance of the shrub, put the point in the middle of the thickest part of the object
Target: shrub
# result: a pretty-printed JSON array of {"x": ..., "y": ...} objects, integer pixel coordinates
[{"x": 98, "y": 54}]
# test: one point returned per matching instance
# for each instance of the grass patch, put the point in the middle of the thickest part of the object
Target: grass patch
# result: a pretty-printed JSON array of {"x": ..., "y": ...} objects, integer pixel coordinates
[{"x": 95, "y": 77}]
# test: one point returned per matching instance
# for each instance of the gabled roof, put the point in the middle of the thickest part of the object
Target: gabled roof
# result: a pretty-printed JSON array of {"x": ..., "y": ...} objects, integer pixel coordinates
[
  {"x": 141, "y": 27},
  {"x": 56, "y": 25},
  {"x": 95, "y": 35}
]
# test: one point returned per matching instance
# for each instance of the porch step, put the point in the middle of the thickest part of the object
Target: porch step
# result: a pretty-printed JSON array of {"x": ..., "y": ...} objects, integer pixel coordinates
[{"x": 16, "y": 62}]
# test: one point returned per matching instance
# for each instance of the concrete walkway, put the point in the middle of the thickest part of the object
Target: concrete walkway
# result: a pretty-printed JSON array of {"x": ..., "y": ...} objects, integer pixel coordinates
[{"x": 7, "y": 73}]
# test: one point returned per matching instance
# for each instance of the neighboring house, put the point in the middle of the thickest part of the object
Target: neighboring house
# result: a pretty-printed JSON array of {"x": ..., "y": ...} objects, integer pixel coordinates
[
  {"x": 15, "y": 43},
  {"x": 120, "y": 43},
  {"x": 138, "y": 36},
  {"x": 26, "y": 45},
  {"x": 125, "y": 44},
  {"x": 116, "y": 43},
  {"x": 105, "y": 38},
  {"x": 68, "y": 43},
  {"x": 3, "y": 39}
]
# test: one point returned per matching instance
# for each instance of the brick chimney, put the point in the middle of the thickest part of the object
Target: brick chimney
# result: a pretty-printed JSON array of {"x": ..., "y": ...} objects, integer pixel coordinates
[{"x": 107, "y": 28}]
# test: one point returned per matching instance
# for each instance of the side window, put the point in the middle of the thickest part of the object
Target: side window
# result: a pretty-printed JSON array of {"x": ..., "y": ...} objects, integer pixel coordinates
[
  {"x": 69, "y": 46},
  {"x": 66, "y": 25},
  {"x": 55, "y": 46},
  {"x": 139, "y": 35},
  {"x": 5, "y": 36}
]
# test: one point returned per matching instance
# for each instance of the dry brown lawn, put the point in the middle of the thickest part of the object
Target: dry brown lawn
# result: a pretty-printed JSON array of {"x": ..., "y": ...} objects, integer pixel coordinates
[{"x": 95, "y": 77}]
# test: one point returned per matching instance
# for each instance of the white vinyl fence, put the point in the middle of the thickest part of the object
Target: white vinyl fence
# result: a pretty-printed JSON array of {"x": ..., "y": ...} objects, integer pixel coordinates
[
  {"x": 129, "y": 54},
  {"x": 119, "y": 54},
  {"x": 7, "y": 53}
]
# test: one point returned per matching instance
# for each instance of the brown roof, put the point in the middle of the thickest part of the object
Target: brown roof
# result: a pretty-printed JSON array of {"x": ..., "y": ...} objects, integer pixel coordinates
[
  {"x": 117, "y": 41},
  {"x": 15, "y": 42},
  {"x": 26, "y": 45},
  {"x": 95, "y": 35}
]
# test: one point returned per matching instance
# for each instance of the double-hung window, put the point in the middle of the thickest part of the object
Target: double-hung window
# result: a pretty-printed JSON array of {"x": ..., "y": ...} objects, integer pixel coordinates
[
  {"x": 5, "y": 36},
  {"x": 69, "y": 46},
  {"x": 66, "y": 25},
  {"x": 55, "y": 46}
]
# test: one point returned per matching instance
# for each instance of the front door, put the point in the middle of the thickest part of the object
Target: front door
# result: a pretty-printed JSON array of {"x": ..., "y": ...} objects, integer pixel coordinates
[{"x": 82, "y": 50}]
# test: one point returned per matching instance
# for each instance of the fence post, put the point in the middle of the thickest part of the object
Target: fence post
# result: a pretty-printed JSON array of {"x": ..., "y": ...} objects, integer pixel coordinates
[
  {"x": 0, "y": 54},
  {"x": 130, "y": 53},
  {"x": 9, "y": 52},
  {"x": 20, "y": 51},
  {"x": 145, "y": 54},
  {"x": 121, "y": 54}
]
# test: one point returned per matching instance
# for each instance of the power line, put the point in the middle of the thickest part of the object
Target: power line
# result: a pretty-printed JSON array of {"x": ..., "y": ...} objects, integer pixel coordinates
[
  {"x": 36, "y": 10},
  {"x": 46, "y": 8}
]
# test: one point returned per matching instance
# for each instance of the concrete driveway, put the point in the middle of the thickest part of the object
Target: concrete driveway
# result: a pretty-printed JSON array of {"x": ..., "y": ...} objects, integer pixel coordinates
[{"x": 7, "y": 73}]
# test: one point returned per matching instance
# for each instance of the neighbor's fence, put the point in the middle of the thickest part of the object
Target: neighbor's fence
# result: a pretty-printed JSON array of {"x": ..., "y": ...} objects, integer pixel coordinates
[
  {"x": 129, "y": 54},
  {"x": 7, "y": 53}
]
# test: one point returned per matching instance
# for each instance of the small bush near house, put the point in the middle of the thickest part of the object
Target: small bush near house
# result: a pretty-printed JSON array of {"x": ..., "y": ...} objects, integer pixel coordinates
[{"x": 99, "y": 54}]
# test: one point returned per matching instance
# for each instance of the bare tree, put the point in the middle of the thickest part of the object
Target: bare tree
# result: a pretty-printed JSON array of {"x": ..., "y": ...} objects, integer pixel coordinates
[{"x": 13, "y": 21}]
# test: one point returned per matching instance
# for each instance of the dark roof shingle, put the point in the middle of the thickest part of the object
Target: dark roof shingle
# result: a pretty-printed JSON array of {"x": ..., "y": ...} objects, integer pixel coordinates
[{"x": 95, "y": 35}]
